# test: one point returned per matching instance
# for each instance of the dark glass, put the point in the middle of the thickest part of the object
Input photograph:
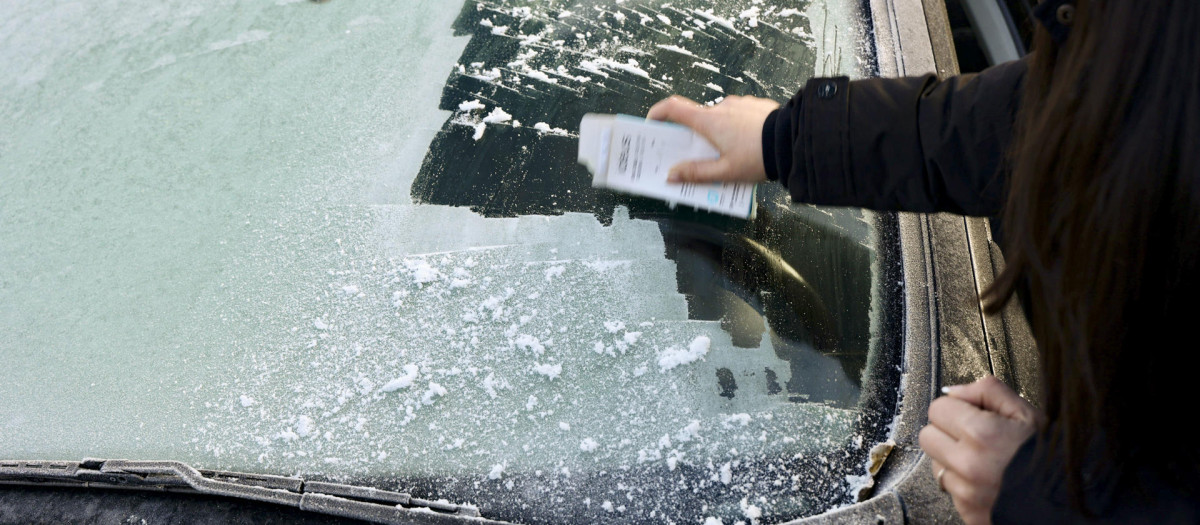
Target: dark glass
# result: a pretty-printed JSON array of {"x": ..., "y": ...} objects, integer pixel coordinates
[{"x": 803, "y": 274}]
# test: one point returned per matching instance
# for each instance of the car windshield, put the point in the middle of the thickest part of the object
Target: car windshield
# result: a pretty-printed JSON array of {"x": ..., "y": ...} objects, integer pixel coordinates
[{"x": 350, "y": 240}]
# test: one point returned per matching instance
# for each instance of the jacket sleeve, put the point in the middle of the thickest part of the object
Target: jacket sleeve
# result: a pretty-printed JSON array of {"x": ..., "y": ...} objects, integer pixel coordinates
[{"x": 906, "y": 144}]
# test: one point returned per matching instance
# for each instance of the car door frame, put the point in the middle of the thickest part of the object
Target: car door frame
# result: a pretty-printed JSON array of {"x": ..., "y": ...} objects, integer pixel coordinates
[{"x": 947, "y": 261}]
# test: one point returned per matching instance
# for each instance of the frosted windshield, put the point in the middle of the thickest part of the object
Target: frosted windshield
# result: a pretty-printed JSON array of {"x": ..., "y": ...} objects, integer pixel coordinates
[{"x": 350, "y": 241}]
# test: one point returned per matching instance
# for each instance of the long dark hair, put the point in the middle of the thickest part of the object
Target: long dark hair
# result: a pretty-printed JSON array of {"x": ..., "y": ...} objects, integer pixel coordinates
[{"x": 1103, "y": 233}]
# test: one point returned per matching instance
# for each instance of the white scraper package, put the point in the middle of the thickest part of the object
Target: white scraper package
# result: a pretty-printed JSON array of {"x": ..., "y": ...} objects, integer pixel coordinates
[{"x": 633, "y": 155}]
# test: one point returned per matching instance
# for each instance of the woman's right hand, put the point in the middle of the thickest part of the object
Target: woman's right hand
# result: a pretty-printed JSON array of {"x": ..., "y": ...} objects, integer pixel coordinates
[
  {"x": 973, "y": 433},
  {"x": 734, "y": 127}
]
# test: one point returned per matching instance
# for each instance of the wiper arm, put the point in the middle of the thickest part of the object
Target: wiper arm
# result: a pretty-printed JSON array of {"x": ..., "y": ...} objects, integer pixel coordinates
[{"x": 349, "y": 501}]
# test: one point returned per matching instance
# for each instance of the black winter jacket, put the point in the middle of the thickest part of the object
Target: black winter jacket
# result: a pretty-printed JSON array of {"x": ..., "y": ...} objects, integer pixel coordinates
[{"x": 903, "y": 144}]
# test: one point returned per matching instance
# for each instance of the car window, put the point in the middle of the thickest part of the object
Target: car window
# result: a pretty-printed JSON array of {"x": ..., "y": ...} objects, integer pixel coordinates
[{"x": 351, "y": 241}]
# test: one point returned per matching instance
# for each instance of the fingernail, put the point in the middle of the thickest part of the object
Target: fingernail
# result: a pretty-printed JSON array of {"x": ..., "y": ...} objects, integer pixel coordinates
[
  {"x": 946, "y": 389},
  {"x": 672, "y": 177}
]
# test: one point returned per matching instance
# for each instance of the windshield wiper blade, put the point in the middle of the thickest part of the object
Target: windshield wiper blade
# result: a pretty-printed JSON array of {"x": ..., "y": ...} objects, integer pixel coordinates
[{"x": 348, "y": 501}]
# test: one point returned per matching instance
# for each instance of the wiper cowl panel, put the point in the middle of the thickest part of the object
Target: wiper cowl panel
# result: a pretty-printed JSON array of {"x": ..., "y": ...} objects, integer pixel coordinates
[{"x": 350, "y": 501}]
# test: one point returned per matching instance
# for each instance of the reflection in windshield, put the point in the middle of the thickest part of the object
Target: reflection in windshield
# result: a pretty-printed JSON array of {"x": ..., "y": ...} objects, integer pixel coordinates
[
  {"x": 533, "y": 68},
  {"x": 209, "y": 253}
]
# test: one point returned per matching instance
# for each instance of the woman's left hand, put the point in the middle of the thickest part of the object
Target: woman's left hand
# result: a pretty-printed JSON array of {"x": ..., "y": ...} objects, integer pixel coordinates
[
  {"x": 734, "y": 127},
  {"x": 973, "y": 433}
]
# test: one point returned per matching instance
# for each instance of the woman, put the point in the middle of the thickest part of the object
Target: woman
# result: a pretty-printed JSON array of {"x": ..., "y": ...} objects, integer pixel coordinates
[{"x": 1089, "y": 150}]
